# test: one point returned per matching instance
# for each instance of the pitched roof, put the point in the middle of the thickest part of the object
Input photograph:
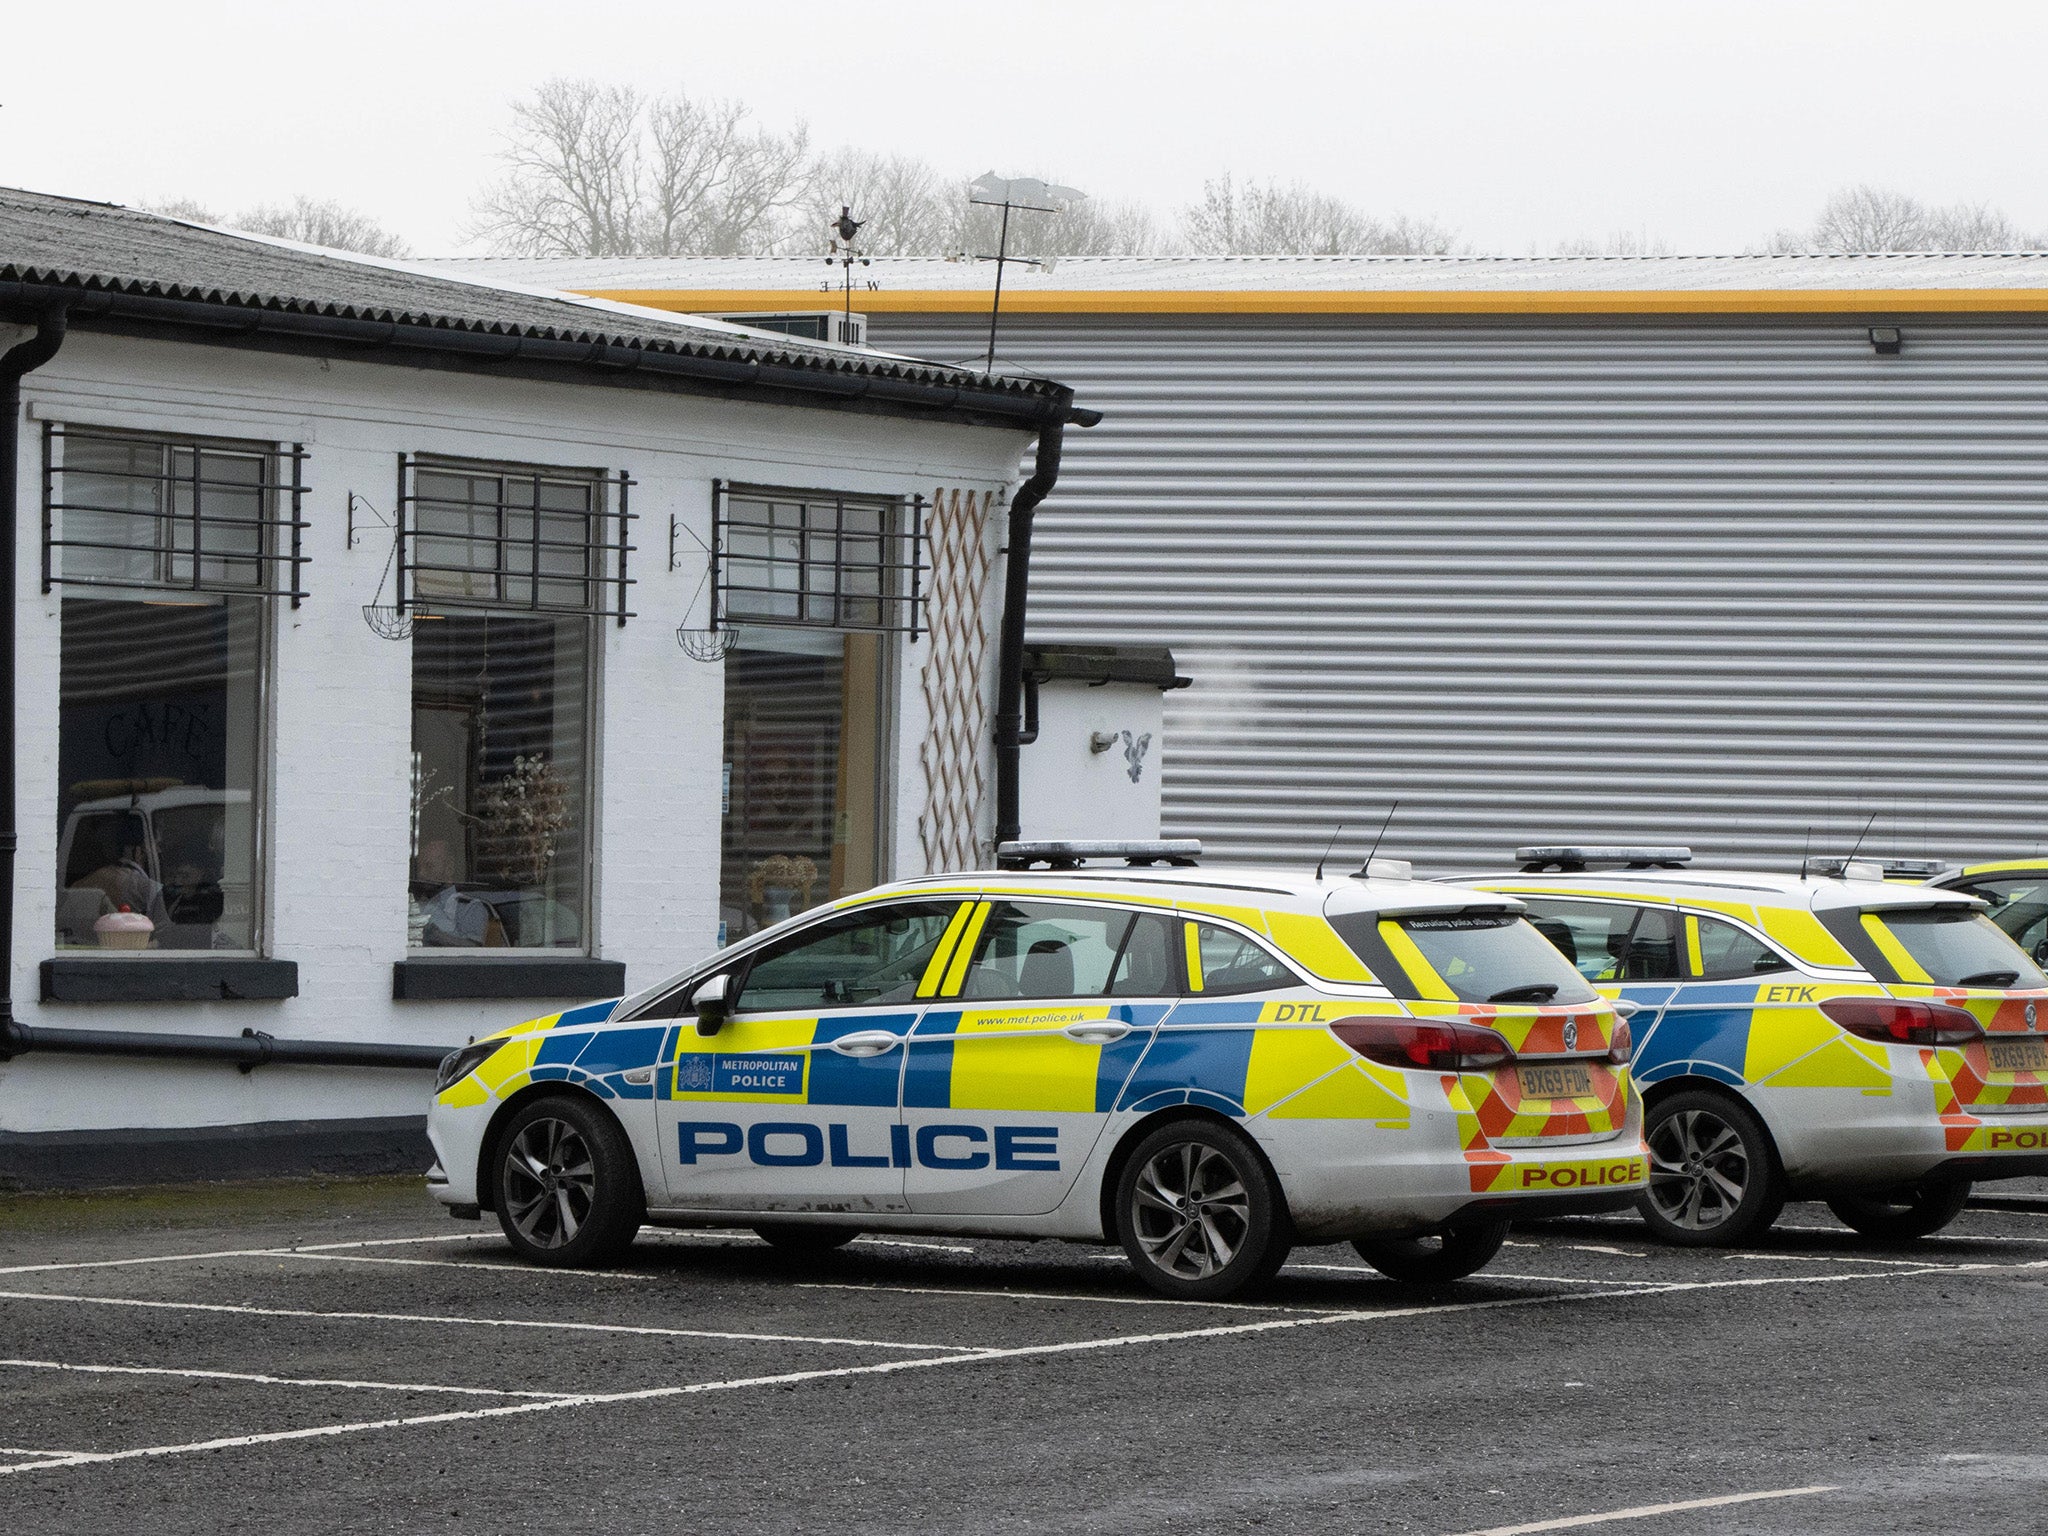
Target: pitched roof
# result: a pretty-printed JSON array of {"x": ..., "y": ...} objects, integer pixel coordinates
[
  {"x": 1992, "y": 281},
  {"x": 109, "y": 261}
]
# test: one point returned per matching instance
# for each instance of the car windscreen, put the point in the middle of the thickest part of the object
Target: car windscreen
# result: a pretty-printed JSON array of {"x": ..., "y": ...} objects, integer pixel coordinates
[
  {"x": 1496, "y": 957},
  {"x": 1960, "y": 947}
]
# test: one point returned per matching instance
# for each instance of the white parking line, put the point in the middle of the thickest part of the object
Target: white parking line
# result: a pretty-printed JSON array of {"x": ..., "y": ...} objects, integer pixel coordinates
[
  {"x": 544, "y": 1324},
  {"x": 1766, "y": 1256},
  {"x": 23, "y": 1450},
  {"x": 1001, "y": 1295},
  {"x": 520, "y": 1269},
  {"x": 926, "y": 1362},
  {"x": 264, "y": 1380},
  {"x": 1645, "y": 1511},
  {"x": 240, "y": 1253}
]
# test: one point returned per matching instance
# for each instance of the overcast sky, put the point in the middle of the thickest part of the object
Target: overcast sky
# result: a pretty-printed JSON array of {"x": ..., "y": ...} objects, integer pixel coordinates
[{"x": 1517, "y": 122}]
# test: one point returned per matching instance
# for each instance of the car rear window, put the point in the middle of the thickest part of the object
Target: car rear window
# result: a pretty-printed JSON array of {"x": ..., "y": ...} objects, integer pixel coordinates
[
  {"x": 1495, "y": 958},
  {"x": 1960, "y": 947}
]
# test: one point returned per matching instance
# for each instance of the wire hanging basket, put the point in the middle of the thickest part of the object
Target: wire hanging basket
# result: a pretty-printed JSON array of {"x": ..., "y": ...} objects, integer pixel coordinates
[
  {"x": 387, "y": 622},
  {"x": 706, "y": 644}
]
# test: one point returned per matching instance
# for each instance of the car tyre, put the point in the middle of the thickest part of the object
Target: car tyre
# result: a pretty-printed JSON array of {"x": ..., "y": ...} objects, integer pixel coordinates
[
  {"x": 1451, "y": 1254},
  {"x": 1714, "y": 1175},
  {"x": 1902, "y": 1214},
  {"x": 1199, "y": 1214},
  {"x": 796, "y": 1237},
  {"x": 567, "y": 1184}
]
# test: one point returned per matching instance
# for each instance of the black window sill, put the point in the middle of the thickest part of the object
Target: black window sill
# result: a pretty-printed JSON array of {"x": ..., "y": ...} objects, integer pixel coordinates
[
  {"x": 203, "y": 979},
  {"x": 568, "y": 976}
]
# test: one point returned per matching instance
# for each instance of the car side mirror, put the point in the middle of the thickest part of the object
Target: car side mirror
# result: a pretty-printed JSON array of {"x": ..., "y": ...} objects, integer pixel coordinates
[
  {"x": 710, "y": 1001},
  {"x": 1626, "y": 1009}
]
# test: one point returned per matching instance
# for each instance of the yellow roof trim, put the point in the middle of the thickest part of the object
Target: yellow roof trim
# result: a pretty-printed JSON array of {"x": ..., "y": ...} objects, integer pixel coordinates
[{"x": 1719, "y": 301}]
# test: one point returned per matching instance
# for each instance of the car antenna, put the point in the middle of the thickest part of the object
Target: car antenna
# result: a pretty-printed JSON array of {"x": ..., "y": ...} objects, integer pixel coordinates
[
  {"x": 1380, "y": 839},
  {"x": 1806, "y": 856},
  {"x": 1326, "y": 852},
  {"x": 1859, "y": 839}
]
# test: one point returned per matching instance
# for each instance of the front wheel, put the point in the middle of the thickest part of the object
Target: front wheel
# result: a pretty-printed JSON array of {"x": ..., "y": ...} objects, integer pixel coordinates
[
  {"x": 567, "y": 1184},
  {"x": 1900, "y": 1215},
  {"x": 1714, "y": 1176},
  {"x": 1451, "y": 1254},
  {"x": 1198, "y": 1214}
]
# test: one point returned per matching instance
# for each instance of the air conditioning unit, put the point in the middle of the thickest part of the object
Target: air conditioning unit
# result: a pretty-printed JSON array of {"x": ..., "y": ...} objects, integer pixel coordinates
[{"x": 832, "y": 325}]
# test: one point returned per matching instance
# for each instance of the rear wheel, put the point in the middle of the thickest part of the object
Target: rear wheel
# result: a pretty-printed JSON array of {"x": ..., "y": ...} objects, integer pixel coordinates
[
  {"x": 1451, "y": 1254},
  {"x": 1900, "y": 1215},
  {"x": 567, "y": 1184},
  {"x": 1198, "y": 1214},
  {"x": 1714, "y": 1176},
  {"x": 800, "y": 1237}
]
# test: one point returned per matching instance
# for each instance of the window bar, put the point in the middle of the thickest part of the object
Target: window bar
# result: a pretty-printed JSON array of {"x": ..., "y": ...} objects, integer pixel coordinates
[
  {"x": 625, "y": 545},
  {"x": 398, "y": 517},
  {"x": 198, "y": 533},
  {"x": 916, "y": 510},
  {"x": 533, "y": 572},
  {"x": 717, "y": 542},
  {"x": 298, "y": 521},
  {"x": 839, "y": 560},
  {"x": 49, "y": 496}
]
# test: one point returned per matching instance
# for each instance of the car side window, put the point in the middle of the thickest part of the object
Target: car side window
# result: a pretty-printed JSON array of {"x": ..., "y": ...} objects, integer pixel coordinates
[
  {"x": 2019, "y": 905},
  {"x": 1726, "y": 951},
  {"x": 1593, "y": 935},
  {"x": 1035, "y": 949},
  {"x": 1653, "y": 952},
  {"x": 857, "y": 958},
  {"x": 1222, "y": 961},
  {"x": 1145, "y": 968}
]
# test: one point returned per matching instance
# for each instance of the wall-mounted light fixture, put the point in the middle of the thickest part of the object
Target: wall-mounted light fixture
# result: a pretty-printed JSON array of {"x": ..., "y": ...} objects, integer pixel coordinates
[{"x": 1886, "y": 340}]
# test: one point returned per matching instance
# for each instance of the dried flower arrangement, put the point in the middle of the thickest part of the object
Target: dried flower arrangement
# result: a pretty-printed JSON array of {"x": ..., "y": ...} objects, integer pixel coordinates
[{"x": 521, "y": 818}]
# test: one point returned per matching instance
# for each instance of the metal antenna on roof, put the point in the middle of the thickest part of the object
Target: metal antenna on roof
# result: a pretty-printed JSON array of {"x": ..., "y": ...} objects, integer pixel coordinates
[
  {"x": 1380, "y": 839},
  {"x": 1326, "y": 852},
  {"x": 1011, "y": 194},
  {"x": 1863, "y": 834},
  {"x": 1806, "y": 854}
]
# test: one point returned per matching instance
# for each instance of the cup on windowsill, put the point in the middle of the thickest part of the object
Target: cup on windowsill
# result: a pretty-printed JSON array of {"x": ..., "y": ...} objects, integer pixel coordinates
[{"x": 124, "y": 929}]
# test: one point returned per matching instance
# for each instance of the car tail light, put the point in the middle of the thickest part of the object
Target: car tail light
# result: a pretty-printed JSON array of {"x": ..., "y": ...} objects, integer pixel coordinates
[
  {"x": 1428, "y": 1044},
  {"x": 1621, "y": 1044},
  {"x": 1903, "y": 1021}
]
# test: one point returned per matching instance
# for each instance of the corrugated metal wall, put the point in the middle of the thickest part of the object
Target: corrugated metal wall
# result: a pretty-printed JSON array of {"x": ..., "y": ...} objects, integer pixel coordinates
[{"x": 1724, "y": 584}]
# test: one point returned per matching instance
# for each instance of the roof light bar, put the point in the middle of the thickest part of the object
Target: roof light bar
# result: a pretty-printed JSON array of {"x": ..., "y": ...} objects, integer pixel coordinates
[
  {"x": 1842, "y": 869},
  {"x": 1387, "y": 869},
  {"x": 1570, "y": 859},
  {"x": 1070, "y": 855}
]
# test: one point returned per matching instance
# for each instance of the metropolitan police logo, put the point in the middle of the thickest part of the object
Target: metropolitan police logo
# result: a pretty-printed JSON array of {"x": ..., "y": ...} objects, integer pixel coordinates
[
  {"x": 1571, "y": 1034},
  {"x": 693, "y": 1074}
]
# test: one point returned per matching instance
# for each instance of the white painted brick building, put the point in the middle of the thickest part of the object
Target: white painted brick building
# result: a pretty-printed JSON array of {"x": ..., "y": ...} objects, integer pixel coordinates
[{"x": 368, "y": 906}]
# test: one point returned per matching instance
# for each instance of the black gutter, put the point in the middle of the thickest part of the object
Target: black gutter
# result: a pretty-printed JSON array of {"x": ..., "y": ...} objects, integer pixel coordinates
[
  {"x": 23, "y": 357},
  {"x": 248, "y": 1050},
  {"x": 619, "y": 363},
  {"x": 1010, "y": 647}
]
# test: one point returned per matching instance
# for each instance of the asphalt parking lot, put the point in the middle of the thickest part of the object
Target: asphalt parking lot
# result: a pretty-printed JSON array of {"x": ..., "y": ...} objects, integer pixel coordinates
[{"x": 343, "y": 1357}]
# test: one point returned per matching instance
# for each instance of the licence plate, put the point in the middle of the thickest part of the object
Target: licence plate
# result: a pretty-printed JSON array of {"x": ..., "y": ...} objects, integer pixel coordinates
[
  {"x": 1567, "y": 1080},
  {"x": 2019, "y": 1055}
]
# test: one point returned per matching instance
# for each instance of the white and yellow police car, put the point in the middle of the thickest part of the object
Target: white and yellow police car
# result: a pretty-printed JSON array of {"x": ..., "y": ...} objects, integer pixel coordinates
[
  {"x": 1206, "y": 1065},
  {"x": 1827, "y": 1034}
]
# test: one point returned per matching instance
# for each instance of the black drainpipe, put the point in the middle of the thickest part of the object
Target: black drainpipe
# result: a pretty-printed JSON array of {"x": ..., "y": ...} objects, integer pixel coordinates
[
  {"x": 24, "y": 357},
  {"x": 1010, "y": 647}
]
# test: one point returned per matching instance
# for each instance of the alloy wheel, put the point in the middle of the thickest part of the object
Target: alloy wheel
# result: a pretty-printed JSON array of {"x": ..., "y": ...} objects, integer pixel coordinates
[
  {"x": 1699, "y": 1169},
  {"x": 550, "y": 1182},
  {"x": 1191, "y": 1211}
]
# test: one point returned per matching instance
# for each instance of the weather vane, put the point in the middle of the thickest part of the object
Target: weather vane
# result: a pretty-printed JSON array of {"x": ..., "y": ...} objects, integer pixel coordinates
[
  {"x": 845, "y": 256},
  {"x": 1020, "y": 193}
]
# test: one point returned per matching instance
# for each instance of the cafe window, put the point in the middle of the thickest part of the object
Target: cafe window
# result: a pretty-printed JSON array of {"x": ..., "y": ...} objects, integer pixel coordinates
[
  {"x": 505, "y": 599},
  {"x": 167, "y": 551}
]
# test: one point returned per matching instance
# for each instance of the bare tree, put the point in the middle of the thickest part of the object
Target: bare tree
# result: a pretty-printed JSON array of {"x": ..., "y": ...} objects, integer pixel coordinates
[
  {"x": 324, "y": 222},
  {"x": 1269, "y": 219},
  {"x": 189, "y": 209},
  {"x": 908, "y": 207},
  {"x": 1620, "y": 242},
  {"x": 1870, "y": 219},
  {"x": 600, "y": 170}
]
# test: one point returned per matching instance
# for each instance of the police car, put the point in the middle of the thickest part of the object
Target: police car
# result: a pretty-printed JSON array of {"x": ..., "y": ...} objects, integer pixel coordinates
[
  {"x": 2015, "y": 890},
  {"x": 1878, "y": 1045},
  {"x": 1207, "y": 1066}
]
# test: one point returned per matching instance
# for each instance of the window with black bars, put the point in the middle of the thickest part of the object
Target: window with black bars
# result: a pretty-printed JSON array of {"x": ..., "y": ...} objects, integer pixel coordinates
[
  {"x": 512, "y": 538},
  {"x": 817, "y": 559},
  {"x": 143, "y": 512}
]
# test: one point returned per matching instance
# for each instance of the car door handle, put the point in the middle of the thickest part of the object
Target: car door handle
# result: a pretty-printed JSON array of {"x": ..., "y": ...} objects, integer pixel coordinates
[
  {"x": 1097, "y": 1031},
  {"x": 867, "y": 1042}
]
